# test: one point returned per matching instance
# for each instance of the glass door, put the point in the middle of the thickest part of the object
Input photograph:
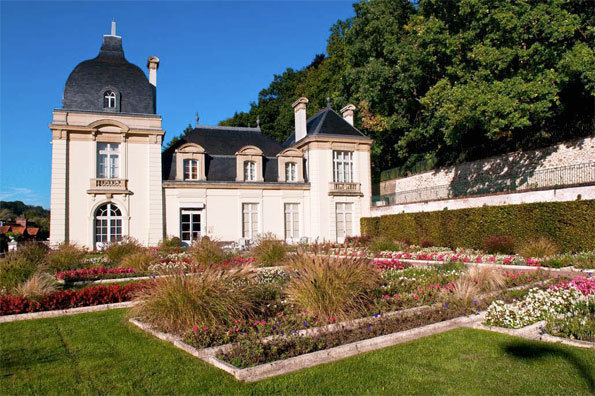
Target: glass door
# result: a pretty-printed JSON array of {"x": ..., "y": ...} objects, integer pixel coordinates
[{"x": 189, "y": 226}]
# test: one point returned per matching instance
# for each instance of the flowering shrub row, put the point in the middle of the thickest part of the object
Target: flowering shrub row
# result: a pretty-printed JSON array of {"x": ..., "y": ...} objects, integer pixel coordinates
[
  {"x": 584, "y": 285},
  {"x": 94, "y": 295},
  {"x": 94, "y": 273}
]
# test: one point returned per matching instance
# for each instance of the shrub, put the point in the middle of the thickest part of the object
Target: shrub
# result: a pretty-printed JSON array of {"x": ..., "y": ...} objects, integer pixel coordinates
[
  {"x": 486, "y": 278},
  {"x": 331, "y": 287},
  {"x": 206, "y": 252},
  {"x": 425, "y": 243},
  {"x": 382, "y": 243},
  {"x": 116, "y": 251},
  {"x": 209, "y": 298},
  {"x": 570, "y": 224},
  {"x": 39, "y": 285},
  {"x": 498, "y": 244},
  {"x": 140, "y": 261},
  {"x": 95, "y": 273},
  {"x": 269, "y": 251},
  {"x": 170, "y": 244},
  {"x": 66, "y": 257},
  {"x": 540, "y": 248},
  {"x": 14, "y": 270}
]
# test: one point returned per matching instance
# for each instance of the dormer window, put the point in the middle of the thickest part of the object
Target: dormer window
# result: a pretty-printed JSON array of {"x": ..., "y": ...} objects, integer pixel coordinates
[
  {"x": 291, "y": 172},
  {"x": 249, "y": 171},
  {"x": 109, "y": 100},
  {"x": 190, "y": 162},
  {"x": 191, "y": 169}
]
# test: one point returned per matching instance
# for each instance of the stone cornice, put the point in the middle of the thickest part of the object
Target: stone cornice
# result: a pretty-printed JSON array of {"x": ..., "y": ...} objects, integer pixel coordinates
[{"x": 235, "y": 185}]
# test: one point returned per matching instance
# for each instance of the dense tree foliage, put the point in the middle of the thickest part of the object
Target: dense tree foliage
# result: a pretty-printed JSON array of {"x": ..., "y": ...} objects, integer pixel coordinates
[{"x": 446, "y": 81}]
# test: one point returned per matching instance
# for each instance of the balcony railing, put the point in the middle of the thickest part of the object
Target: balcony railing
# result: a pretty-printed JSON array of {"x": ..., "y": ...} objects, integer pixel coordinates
[
  {"x": 339, "y": 188},
  {"x": 108, "y": 185}
]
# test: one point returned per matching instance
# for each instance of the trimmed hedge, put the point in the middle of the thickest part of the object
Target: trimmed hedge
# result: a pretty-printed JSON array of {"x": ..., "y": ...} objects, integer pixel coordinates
[{"x": 570, "y": 224}]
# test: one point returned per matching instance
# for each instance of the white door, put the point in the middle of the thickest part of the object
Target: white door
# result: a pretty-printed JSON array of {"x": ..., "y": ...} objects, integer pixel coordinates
[
  {"x": 344, "y": 214},
  {"x": 189, "y": 226}
]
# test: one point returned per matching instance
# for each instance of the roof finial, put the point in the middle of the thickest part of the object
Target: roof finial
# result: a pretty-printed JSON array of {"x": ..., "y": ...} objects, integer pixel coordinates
[
  {"x": 328, "y": 101},
  {"x": 258, "y": 122},
  {"x": 196, "y": 119},
  {"x": 113, "y": 28}
]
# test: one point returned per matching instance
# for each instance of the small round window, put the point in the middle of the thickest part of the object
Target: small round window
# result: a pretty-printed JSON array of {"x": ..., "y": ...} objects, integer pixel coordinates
[{"x": 109, "y": 100}]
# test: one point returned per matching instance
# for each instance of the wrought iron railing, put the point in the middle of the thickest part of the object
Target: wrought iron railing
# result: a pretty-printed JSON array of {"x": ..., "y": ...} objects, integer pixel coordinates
[{"x": 569, "y": 175}]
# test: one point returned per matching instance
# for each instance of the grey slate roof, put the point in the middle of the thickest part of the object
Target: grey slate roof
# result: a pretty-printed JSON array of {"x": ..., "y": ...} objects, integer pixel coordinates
[
  {"x": 109, "y": 70},
  {"x": 328, "y": 122},
  {"x": 221, "y": 145}
]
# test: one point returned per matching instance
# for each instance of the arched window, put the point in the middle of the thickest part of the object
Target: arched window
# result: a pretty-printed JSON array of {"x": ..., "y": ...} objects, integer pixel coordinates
[
  {"x": 109, "y": 100},
  {"x": 108, "y": 224},
  {"x": 249, "y": 171}
]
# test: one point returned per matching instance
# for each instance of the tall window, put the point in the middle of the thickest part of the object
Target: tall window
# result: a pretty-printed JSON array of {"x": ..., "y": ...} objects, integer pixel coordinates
[
  {"x": 344, "y": 214},
  {"x": 108, "y": 160},
  {"x": 108, "y": 224},
  {"x": 109, "y": 100},
  {"x": 343, "y": 166},
  {"x": 189, "y": 225},
  {"x": 292, "y": 221},
  {"x": 290, "y": 172},
  {"x": 249, "y": 220},
  {"x": 249, "y": 171},
  {"x": 191, "y": 169}
]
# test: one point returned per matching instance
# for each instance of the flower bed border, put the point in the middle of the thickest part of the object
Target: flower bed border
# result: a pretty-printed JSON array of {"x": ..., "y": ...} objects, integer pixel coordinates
[
  {"x": 535, "y": 331},
  {"x": 65, "y": 312},
  {"x": 279, "y": 367}
]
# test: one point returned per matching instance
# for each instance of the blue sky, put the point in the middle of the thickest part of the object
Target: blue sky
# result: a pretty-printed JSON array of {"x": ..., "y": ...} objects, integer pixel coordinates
[{"x": 215, "y": 57}]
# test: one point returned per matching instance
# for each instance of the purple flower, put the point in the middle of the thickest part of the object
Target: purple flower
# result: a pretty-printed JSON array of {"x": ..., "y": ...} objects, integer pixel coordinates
[
  {"x": 376, "y": 315},
  {"x": 282, "y": 333},
  {"x": 305, "y": 324},
  {"x": 274, "y": 327},
  {"x": 293, "y": 330},
  {"x": 475, "y": 302},
  {"x": 446, "y": 305},
  {"x": 257, "y": 329},
  {"x": 368, "y": 328}
]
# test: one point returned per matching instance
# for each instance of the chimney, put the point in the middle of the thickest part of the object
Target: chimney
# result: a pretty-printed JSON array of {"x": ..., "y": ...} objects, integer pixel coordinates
[
  {"x": 153, "y": 65},
  {"x": 299, "y": 109},
  {"x": 347, "y": 113}
]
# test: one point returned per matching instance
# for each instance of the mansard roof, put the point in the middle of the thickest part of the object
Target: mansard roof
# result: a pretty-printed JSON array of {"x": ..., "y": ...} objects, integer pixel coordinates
[
  {"x": 328, "y": 123},
  {"x": 221, "y": 144}
]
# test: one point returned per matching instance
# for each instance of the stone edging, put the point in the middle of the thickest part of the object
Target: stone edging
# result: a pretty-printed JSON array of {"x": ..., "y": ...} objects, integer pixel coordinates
[
  {"x": 296, "y": 363},
  {"x": 535, "y": 332},
  {"x": 65, "y": 312}
]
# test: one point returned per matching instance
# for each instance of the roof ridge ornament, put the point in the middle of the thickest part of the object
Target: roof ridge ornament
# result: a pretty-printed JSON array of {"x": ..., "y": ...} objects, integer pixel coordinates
[
  {"x": 328, "y": 102},
  {"x": 113, "y": 32},
  {"x": 196, "y": 120}
]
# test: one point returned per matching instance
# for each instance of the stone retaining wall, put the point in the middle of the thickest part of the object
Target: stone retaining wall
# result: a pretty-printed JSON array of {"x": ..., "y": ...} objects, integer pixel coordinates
[{"x": 569, "y": 163}]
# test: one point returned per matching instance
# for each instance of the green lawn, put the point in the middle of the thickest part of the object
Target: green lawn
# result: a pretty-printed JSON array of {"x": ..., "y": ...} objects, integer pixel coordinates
[{"x": 103, "y": 353}]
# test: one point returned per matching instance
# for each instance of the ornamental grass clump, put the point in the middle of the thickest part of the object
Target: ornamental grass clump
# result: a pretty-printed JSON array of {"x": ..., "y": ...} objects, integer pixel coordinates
[
  {"x": 35, "y": 252},
  {"x": 331, "y": 287},
  {"x": 67, "y": 256},
  {"x": 538, "y": 248},
  {"x": 39, "y": 285},
  {"x": 206, "y": 252},
  {"x": 463, "y": 294},
  {"x": 209, "y": 298},
  {"x": 140, "y": 261},
  {"x": 486, "y": 278},
  {"x": 170, "y": 244},
  {"x": 269, "y": 251},
  {"x": 117, "y": 251},
  {"x": 14, "y": 270}
]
